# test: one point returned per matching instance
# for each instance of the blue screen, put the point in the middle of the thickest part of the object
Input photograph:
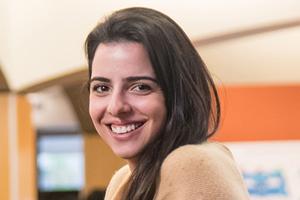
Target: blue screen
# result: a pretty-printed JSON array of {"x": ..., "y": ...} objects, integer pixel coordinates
[{"x": 60, "y": 163}]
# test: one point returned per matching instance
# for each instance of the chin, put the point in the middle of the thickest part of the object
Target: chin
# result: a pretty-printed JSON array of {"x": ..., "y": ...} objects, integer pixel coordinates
[{"x": 126, "y": 155}]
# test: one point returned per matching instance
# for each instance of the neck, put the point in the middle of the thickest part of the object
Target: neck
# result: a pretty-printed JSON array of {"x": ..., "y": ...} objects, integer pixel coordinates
[{"x": 131, "y": 164}]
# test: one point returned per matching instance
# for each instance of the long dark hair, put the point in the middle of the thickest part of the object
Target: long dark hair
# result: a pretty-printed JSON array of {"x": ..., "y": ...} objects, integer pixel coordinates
[{"x": 191, "y": 99}]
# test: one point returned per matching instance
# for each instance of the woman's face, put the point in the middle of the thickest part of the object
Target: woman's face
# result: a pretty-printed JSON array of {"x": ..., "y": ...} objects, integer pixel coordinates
[{"x": 127, "y": 105}]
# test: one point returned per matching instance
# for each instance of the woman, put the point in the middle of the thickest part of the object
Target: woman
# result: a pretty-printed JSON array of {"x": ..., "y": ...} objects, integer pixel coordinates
[{"x": 154, "y": 103}]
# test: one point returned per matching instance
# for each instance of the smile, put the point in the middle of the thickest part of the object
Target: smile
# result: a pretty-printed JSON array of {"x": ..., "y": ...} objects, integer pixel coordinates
[{"x": 121, "y": 129}]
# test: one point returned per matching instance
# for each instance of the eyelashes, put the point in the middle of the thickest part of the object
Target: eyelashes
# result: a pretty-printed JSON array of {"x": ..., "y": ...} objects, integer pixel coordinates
[{"x": 141, "y": 88}]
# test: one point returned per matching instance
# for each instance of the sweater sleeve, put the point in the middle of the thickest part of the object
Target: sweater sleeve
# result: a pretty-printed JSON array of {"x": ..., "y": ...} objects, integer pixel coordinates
[{"x": 201, "y": 172}]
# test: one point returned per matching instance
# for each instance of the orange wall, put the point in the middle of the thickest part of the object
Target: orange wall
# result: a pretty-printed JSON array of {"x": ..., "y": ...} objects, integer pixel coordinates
[
  {"x": 100, "y": 162},
  {"x": 260, "y": 113},
  {"x": 18, "y": 181},
  {"x": 26, "y": 151},
  {"x": 4, "y": 148}
]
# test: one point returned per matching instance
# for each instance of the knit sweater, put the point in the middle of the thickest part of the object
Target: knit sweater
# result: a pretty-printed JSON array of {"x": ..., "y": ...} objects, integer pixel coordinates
[{"x": 191, "y": 172}]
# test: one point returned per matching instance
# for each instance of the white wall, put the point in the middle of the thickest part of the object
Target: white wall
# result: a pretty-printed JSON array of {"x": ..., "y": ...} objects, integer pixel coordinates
[
  {"x": 51, "y": 109},
  {"x": 4, "y": 30},
  {"x": 270, "y": 58}
]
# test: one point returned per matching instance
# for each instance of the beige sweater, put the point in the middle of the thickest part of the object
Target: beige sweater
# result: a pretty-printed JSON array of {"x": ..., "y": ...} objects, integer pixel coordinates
[{"x": 191, "y": 172}]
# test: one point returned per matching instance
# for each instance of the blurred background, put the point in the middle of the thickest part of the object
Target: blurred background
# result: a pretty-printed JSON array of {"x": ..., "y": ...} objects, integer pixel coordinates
[{"x": 48, "y": 146}]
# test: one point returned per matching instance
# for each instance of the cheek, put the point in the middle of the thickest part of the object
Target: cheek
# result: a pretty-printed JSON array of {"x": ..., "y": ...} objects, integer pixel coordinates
[
  {"x": 95, "y": 109},
  {"x": 155, "y": 109}
]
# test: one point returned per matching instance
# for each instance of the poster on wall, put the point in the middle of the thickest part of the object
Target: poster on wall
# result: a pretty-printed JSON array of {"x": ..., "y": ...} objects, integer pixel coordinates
[{"x": 271, "y": 169}]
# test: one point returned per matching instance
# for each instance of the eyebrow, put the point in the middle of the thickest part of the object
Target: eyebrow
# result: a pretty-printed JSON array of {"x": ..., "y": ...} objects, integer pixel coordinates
[
  {"x": 99, "y": 78},
  {"x": 129, "y": 79},
  {"x": 137, "y": 78}
]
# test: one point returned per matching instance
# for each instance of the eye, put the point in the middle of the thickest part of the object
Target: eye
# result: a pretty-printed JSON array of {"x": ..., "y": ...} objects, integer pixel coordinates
[
  {"x": 141, "y": 88},
  {"x": 100, "y": 89}
]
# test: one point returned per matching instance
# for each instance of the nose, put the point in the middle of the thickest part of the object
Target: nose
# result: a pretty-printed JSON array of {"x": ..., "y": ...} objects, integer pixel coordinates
[{"x": 118, "y": 104}]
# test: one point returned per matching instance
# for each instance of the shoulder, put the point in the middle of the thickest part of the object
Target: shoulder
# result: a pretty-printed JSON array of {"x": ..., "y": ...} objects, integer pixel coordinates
[
  {"x": 207, "y": 160},
  {"x": 120, "y": 175},
  {"x": 199, "y": 154},
  {"x": 204, "y": 171},
  {"x": 118, "y": 179}
]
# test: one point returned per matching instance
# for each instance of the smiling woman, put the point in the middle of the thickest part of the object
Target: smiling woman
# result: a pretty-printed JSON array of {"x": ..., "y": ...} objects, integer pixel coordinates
[
  {"x": 126, "y": 103},
  {"x": 154, "y": 103}
]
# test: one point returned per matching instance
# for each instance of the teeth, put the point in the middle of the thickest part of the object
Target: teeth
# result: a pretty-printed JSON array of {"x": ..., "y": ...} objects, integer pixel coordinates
[{"x": 124, "y": 129}]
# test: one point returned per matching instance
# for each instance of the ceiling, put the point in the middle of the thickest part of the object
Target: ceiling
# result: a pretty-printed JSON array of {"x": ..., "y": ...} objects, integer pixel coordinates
[{"x": 242, "y": 42}]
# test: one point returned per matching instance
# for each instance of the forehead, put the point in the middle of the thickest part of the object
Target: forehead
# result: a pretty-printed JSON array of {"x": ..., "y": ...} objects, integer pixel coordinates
[{"x": 121, "y": 57}]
